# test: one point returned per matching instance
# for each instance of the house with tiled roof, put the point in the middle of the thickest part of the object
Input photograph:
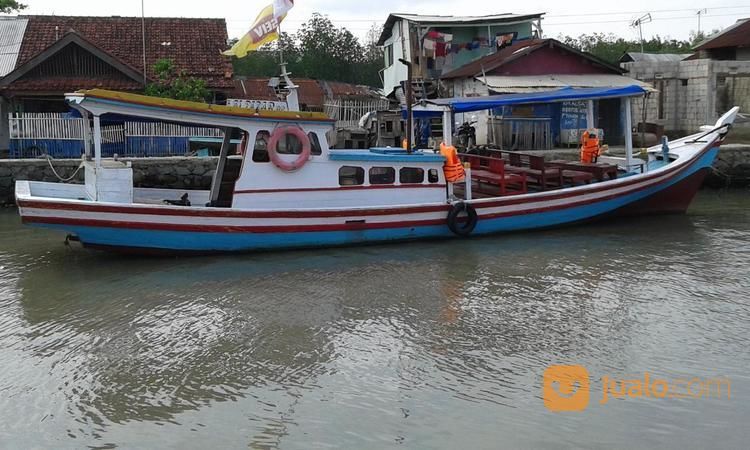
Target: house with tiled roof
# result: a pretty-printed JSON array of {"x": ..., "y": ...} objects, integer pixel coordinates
[{"x": 45, "y": 57}]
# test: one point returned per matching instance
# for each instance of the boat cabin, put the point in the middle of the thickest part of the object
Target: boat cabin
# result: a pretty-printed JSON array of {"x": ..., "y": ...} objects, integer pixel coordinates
[{"x": 284, "y": 160}]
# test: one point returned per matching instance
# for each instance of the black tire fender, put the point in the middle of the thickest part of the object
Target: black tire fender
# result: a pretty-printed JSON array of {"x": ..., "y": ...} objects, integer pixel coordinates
[{"x": 463, "y": 228}]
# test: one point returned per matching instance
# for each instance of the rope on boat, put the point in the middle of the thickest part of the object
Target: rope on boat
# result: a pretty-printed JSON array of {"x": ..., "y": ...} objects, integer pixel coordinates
[{"x": 64, "y": 180}]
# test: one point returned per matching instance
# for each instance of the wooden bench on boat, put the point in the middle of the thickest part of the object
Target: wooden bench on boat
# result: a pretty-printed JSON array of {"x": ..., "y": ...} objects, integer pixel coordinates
[
  {"x": 534, "y": 168},
  {"x": 485, "y": 169},
  {"x": 597, "y": 170}
]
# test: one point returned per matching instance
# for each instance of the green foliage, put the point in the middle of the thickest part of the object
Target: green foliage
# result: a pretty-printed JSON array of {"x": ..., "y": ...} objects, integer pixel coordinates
[
  {"x": 610, "y": 47},
  {"x": 319, "y": 50},
  {"x": 171, "y": 84},
  {"x": 8, "y": 6}
]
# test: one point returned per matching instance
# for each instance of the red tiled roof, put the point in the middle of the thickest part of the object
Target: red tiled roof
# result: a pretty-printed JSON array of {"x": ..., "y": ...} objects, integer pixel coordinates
[
  {"x": 311, "y": 92},
  {"x": 195, "y": 45},
  {"x": 74, "y": 84},
  {"x": 737, "y": 35}
]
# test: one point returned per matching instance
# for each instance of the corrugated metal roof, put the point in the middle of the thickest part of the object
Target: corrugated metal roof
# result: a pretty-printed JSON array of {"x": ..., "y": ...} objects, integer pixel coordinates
[
  {"x": 507, "y": 17},
  {"x": 653, "y": 57},
  {"x": 534, "y": 83},
  {"x": 736, "y": 35},
  {"x": 11, "y": 37},
  {"x": 453, "y": 20}
]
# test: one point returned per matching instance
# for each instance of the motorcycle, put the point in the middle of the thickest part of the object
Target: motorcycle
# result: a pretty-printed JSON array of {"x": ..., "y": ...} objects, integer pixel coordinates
[{"x": 466, "y": 134}]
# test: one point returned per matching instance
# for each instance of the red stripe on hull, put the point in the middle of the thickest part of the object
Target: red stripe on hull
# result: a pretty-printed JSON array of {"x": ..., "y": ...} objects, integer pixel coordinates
[
  {"x": 674, "y": 199},
  {"x": 342, "y": 188},
  {"x": 226, "y": 228}
]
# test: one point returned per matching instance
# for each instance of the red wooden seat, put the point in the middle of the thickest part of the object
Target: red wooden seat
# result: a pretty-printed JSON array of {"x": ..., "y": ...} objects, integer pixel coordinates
[
  {"x": 534, "y": 168},
  {"x": 492, "y": 171},
  {"x": 576, "y": 176}
]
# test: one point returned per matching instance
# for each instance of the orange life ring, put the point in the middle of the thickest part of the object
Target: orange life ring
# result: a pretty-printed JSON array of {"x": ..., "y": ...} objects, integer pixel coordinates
[
  {"x": 273, "y": 143},
  {"x": 453, "y": 169}
]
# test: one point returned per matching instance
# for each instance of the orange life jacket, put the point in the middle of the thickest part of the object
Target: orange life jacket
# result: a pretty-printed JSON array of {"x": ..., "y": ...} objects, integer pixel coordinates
[
  {"x": 590, "y": 149},
  {"x": 453, "y": 168}
]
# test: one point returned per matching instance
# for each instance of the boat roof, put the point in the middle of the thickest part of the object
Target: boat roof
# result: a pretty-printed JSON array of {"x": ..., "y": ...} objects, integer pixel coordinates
[
  {"x": 385, "y": 154},
  {"x": 469, "y": 104},
  {"x": 116, "y": 101}
]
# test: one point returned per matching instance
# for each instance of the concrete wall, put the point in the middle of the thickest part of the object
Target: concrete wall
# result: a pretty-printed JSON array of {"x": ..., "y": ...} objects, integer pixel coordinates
[
  {"x": 693, "y": 92},
  {"x": 173, "y": 173}
]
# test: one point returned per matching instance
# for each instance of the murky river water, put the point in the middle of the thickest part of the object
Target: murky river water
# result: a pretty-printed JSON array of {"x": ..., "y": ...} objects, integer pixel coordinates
[{"x": 425, "y": 345}]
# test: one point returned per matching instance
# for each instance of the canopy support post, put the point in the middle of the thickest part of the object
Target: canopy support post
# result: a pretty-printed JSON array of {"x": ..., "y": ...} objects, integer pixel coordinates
[
  {"x": 590, "y": 115},
  {"x": 628, "y": 134},
  {"x": 86, "y": 125},
  {"x": 97, "y": 141},
  {"x": 448, "y": 127},
  {"x": 219, "y": 174}
]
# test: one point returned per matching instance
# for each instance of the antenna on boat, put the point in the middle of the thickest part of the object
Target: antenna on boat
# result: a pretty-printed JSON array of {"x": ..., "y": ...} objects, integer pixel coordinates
[{"x": 409, "y": 101}]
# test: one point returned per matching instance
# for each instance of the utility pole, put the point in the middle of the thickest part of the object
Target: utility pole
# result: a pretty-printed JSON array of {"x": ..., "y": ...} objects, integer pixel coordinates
[
  {"x": 646, "y": 18},
  {"x": 699, "y": 14},
  {"x": 143, "y": 36}
]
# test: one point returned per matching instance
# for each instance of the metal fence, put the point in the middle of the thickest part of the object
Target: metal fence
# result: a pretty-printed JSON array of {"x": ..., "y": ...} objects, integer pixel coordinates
[
  {"x": 520, "y": 133},
  {"x": 62, "y": 136},
  {"x": 347, "y": 113}
]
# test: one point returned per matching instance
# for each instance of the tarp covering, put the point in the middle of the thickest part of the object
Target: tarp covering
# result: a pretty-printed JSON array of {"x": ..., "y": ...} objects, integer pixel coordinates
[{"x": 435, "y": 107}]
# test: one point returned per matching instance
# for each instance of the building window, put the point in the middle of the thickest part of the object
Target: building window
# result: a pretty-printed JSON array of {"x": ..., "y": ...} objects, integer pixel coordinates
[
  {"x": 660, "y": 108},
  {"x": 432, "y": 176},
  {"x": 684, "y": 81},
  {"x": 260, "y": 149},
  {"x": 382, "y": 175},
  {"x": 351, "y": 176},
  {"x": 388, "y": 53},
  {"x": 409, "y": 175},
  {"x": 314, "y": 143}
]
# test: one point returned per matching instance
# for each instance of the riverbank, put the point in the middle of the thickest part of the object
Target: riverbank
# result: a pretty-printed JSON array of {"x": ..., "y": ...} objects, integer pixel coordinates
[{"x": 732, "y": 168}]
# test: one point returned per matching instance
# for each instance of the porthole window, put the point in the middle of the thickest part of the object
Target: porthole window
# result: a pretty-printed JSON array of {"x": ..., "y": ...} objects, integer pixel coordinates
[
  {"x": 260, "y": 149},
  {"x": 410, "y": 175},
  {"x": 432, "y": 176},
  {"x": 314, "y": 144},
  {"x": 382, "y": 175},
  {"x": 351, "y": 176}
]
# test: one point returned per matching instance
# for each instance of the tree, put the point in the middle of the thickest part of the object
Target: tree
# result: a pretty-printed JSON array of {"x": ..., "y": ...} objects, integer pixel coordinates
[
  {"x": 176, "y": 85},
  {"x": 610, "y": 47},
  {"x": 9, "y": 6},
  {"x": 319, "y": 50}
]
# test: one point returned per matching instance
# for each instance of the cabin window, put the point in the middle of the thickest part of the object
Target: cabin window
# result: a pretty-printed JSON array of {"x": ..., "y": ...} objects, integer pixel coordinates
[
  {"x": 314, "y": 143},
  {"x": 411, "y": 175},
  {"x": 289, "y": 145},
  {"x": 432, "y": 176},
  {"x": 382, "y": 175},
  {"x": 260, "y": 150},
  {"x": 351, "y": 176}
]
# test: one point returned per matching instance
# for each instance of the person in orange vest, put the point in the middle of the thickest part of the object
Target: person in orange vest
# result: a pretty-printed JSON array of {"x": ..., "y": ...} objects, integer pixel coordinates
[
  {"x": 453, "y": 168},
  {"x": 590, "y": 148}
]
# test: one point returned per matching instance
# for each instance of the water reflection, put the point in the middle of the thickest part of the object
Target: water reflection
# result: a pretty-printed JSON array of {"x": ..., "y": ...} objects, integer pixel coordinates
[{"x": 294, "y": 349}]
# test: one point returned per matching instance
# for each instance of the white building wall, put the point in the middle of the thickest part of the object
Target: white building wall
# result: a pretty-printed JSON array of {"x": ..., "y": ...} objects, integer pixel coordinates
[
  {"x": 396, "y": 72},
  {"x": 473, "y": 88}
]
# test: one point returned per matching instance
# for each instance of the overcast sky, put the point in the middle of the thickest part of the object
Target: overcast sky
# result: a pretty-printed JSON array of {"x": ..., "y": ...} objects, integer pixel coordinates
[{"x": 674, "y": 18}]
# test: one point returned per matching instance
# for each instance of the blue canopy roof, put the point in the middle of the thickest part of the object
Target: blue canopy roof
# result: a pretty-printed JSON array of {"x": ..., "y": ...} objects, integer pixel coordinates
[{"x": 468, "y": 104}]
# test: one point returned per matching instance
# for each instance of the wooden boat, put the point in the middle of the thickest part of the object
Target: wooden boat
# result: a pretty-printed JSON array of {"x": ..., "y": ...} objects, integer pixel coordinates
[{"x": 290, "y": 190}]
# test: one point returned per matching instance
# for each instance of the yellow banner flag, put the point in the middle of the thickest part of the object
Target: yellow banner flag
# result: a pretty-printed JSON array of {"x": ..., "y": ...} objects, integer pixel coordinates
[{"x": 265, "y": 29}]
